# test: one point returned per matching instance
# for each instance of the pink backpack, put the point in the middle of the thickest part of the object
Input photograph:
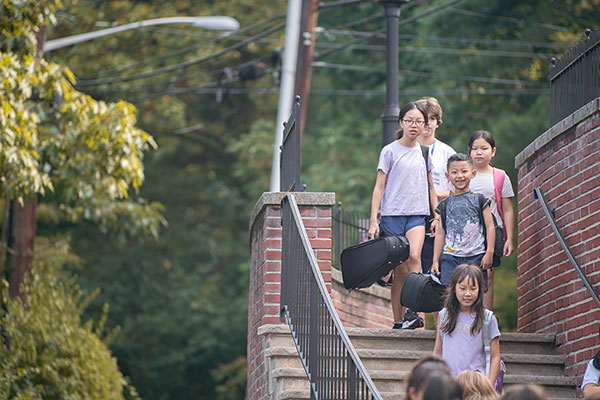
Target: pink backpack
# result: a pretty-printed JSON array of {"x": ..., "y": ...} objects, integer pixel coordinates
[{"x": 498, "y": 183}]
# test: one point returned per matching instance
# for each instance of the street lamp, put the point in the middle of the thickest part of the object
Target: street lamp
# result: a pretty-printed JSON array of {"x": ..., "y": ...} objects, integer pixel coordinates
[
  {"x": 216, "y": 23},
  {"x": 389, "y": 118}
]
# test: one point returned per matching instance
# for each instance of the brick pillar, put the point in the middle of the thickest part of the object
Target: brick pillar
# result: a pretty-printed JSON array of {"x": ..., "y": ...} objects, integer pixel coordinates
[
  {"x": 565, "y": 162},
  {"x": 265, "y": 270}
]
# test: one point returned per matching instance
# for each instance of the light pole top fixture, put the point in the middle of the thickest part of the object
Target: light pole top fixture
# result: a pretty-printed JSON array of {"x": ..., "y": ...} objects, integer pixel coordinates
[{"x": 217, "y": 23}]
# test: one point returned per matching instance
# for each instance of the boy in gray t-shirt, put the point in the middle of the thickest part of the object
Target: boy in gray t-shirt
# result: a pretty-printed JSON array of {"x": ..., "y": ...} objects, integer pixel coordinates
[{"x": 460, "y": 237}]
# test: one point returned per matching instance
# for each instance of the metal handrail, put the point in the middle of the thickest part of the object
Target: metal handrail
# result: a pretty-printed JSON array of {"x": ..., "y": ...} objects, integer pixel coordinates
[
  {"x": 332, "y": 365},
  {"x": 539, "y": 194}
]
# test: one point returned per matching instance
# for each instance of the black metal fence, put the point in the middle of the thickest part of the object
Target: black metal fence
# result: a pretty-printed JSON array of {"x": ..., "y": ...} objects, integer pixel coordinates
[
  {"x": 575, "y": 77},
  {"x": 349, "y": 228},
  {"x": 291, "y": 153},
  {"x": 333, "y": 368}
]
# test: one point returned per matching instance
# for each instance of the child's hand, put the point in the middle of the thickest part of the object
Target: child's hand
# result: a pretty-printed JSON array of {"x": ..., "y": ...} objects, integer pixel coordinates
[
  {"x": 434, "y": 227},
  {"x": 435, "y": 268},
  {"x": 508, "y": 248},
  {"x": 486, "y": 261},
  {"x": 373, "y": 230}
]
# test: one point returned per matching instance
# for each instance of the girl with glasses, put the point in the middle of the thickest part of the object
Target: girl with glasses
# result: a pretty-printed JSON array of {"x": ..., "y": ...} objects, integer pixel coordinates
[{"x": 404, "y": 189}]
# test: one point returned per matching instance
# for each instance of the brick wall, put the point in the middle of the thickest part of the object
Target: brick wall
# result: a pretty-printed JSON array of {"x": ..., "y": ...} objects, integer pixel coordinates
[
  {"x": 565, "y": 163},
  {"x": 361, "y": 308},
  {"x": 265, "y": 270}
]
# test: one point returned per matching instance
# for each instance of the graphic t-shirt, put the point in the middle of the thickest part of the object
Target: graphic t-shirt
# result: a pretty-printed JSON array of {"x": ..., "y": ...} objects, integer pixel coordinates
[
  {"x": 464, "y": 230},
  {"x": 461, "y": 350},
  {"x": 406, "y": 191}
]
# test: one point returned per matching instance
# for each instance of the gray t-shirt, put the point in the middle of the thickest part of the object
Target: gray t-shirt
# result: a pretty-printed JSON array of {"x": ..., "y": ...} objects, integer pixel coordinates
[
  {"x": 592, "y": 375},
  {"x": 406, "y": 191},
  {"x": 464, "y": 229}
]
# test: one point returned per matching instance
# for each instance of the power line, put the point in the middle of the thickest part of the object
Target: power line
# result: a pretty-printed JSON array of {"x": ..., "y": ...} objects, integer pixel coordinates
[
  {"x": 460, "y": 40},
  {"x": 96, "y": 82},
  {"x": 323, "y": 5},
  {"x": 508, "y": 19},
  {"x": 345, "y": 93},
  {"x": 482, "y": 79},
  {"x": 373, "y": 34},
  {"x": 184, "y": 50}
]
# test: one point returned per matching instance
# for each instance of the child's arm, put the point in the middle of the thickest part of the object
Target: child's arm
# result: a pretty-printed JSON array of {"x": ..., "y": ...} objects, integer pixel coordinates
[
  {"x": 509, "y": 225},
  {"x": 375, "y": 203},
  {"x": 494, "y": 359},
  {"x": 591, "y": 392},
  {"x": 433, "y": 199},
  {"x": 438, "y": 246},
  {"x": 490, "y": 237},
  {"x": 437, "y": 347}
]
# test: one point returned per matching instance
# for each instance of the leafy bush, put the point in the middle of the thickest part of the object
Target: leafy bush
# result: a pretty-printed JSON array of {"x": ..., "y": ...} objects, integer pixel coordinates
[{"x": 46, "y": 351}]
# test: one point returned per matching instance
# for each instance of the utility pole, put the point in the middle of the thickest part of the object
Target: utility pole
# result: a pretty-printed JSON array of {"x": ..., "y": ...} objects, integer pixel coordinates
[
  {"x": 19, "y": 254},
  {"x": 308, "y": 24},
  {"x": 286, "y": 87}
]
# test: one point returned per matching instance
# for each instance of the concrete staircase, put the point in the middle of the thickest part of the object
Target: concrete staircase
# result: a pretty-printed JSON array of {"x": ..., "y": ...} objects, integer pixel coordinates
[{"x": 390, "y": 354}]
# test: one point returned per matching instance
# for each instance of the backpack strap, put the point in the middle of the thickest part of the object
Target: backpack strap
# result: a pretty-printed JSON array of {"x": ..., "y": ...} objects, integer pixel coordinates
[
  {"x": 499, "y": 176},
  {"x": 485, "y": 338}
]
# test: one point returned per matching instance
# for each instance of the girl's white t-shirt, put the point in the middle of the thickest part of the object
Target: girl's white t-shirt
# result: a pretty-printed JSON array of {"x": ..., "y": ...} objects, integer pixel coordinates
[
  {"x": 484, "y": 184},
  {"x": 406, "y": 191}
]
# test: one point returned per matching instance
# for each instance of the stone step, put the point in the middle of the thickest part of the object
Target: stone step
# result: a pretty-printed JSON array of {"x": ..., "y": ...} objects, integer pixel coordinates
[
  {"x": 403, "y": 360},
  {"x": 417, "y": 340},
  {"x": 392, "y": 383},
  {"x": 389, "y": 355},
  {"x": 305, "y": 395}
]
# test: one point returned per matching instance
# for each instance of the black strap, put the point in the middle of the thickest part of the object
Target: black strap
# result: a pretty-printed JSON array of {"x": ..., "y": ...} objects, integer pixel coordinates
[{"x": 425, "y": 152}]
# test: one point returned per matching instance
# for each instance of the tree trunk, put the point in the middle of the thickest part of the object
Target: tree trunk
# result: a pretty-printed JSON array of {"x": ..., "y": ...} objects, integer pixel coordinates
[{"x": 20, "y": 244}]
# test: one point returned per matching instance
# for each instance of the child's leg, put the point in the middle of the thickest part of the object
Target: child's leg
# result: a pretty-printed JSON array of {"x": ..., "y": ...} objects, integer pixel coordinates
[
  {"x": 400, "y": 273},
  {"x": 488, "y": 297},
  {"x": 415, "y": 237}
]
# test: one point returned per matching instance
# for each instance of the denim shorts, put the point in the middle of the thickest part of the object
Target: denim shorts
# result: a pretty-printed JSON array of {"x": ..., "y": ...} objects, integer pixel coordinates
[
  {"x": 394, "y": 225},
  {"x": 449, "y": 262}
]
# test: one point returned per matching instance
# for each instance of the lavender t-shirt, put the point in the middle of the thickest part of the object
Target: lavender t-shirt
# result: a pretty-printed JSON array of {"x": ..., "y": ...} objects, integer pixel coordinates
[
  {"x": 461, "y": 350},
  {"x": 406, "y": 191}
]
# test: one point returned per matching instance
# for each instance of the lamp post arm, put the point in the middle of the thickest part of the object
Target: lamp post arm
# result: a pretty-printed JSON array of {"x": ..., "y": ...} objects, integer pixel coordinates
[{"x": 213, "y": 23}]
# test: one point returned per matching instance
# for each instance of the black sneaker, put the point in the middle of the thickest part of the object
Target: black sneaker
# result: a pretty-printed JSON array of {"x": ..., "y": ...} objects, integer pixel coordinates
[
  {"x": 412, "y": 320},
  {"x": 397, "y": 325}
]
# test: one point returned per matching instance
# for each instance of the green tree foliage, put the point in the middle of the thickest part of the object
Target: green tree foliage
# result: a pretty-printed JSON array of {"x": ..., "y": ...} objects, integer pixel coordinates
[
  {"x": 181, "y": 301},
  {"x": 47, "y": 352}
]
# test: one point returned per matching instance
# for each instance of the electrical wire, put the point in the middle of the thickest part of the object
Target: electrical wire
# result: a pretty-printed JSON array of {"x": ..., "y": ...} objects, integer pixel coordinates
[
  {"x": 482, "y": 79},
  {"x": 509, "y": 19},
  {"x": 460, "y": 40},
  {"x": 323, "y": 5},
  {"x": 96, "y": 82},
  {"x": 183, "y": 50},
  {"x": 334, "y": 92},
  {"x": 374, "y": 34}
]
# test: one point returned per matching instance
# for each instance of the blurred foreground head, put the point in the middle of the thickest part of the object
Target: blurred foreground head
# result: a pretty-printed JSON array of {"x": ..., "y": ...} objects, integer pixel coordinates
[{"x": 525, "y": 392}]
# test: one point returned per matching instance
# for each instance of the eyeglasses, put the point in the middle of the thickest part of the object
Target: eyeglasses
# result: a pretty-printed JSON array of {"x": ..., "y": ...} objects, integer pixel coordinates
[{"x": 415, "y": 122}]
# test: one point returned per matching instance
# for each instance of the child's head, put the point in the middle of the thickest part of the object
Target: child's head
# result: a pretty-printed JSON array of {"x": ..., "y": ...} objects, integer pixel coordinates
[
  {"x": 465, "y": 294},
  {"x": 482, "y": 147},
  {"x": 412, "y": 119},
  {"x": 476, "y": 386},
  {"x": 434, "y": 114},
  {"x": 421, "y": 371},
  {"x": 525, "y": 392},
  {"x": 441, "y": 386},
  {"x": 460, "y": 171}
]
